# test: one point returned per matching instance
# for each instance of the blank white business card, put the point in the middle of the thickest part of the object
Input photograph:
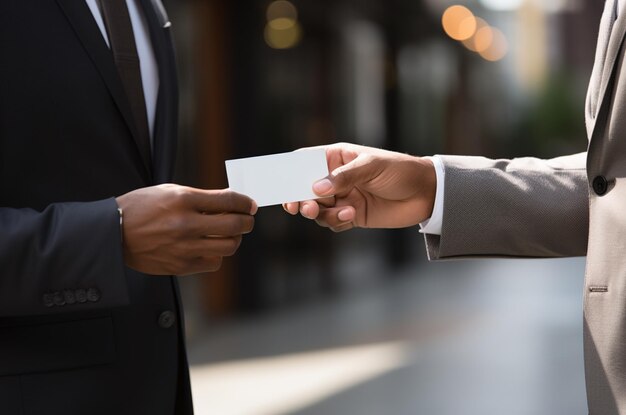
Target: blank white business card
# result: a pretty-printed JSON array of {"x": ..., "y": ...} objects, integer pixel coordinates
[{"x": 278, "y": 178}]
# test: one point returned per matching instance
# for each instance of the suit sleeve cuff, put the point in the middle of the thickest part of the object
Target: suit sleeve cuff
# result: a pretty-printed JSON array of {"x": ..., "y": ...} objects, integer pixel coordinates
[{"x": 433, "y": 225}]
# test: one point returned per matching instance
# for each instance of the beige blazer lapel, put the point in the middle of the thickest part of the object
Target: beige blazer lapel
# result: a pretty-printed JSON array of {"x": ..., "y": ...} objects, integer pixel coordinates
[
  {"x": 607, "y": 67},
  {"x": 615, "y": 44},
  {"x": 595, "y": 84}
]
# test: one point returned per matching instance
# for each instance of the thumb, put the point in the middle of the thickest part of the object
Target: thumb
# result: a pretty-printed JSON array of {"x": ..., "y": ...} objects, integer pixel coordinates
[{"x": 345, "y": 178}]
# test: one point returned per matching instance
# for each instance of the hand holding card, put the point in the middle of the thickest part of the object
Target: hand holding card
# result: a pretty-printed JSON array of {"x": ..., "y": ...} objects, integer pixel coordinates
[{"x": 371, "y": 188}]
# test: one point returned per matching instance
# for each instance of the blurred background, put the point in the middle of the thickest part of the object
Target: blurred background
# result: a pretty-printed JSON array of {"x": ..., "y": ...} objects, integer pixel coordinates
[{"x": 304, "y": 321}]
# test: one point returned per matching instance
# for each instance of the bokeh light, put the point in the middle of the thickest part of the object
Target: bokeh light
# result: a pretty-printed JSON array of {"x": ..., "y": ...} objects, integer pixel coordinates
[
  {"x": 283, "y": 31},
  {"x": 281, "y": 9},
  {"x": 498, "y": 47},
  {"x": 474, "y": 33},
  {"x": 470, "y": 43},
  {"x": 458, "y": 22},
  {"x": 282, "y": 23},
  {"x": 483, "y": 39},
  {"x": 283, "y": 38}
]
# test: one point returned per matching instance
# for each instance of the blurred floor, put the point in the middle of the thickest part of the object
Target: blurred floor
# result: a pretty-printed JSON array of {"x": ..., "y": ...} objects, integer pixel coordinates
[{"x": 454, "y": 338}]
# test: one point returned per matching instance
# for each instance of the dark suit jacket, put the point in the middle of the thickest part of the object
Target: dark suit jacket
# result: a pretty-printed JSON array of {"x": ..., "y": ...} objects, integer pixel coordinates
[{"x": 79, "y": 332}]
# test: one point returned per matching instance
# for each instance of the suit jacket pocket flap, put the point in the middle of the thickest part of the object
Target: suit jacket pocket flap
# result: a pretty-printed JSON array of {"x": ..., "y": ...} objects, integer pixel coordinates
[{"x": 56, "y": 346}]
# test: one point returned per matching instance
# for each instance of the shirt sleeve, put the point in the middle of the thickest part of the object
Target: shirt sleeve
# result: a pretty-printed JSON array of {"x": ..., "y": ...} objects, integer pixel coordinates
[{"x": 433, "y": 225}]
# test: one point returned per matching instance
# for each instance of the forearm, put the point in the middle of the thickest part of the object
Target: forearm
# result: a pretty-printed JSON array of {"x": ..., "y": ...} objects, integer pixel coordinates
[
  {"x": 66, "y": 258},
  {"x": 520, "y": 208}
]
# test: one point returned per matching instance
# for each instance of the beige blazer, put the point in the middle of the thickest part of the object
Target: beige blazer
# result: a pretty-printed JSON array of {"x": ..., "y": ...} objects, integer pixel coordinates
[{"x": 568, "y": 206}]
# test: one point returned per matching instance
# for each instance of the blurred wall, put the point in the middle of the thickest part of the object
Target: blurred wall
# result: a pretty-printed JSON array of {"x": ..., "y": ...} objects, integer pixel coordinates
[{"x": 377, "y": 72}]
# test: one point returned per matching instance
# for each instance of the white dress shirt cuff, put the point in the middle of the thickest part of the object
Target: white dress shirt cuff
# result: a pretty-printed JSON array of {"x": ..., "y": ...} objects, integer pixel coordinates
[{"x": 433, "y": 225}]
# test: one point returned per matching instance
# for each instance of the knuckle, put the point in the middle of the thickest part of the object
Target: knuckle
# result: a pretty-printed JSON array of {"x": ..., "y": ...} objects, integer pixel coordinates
[
  {"x": 165, "y": 187},
  {"x": 341, "y": 177},
  {"x": 180, "y": 195},
  {"x": 338, "y": 174}
]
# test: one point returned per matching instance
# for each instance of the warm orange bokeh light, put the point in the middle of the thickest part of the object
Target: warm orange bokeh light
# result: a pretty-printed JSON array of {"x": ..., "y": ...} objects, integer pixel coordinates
[
  {"x": 458, "y": 22},
  {"x": 483, "y": 39},
  {"x": 476, "y": 34},
  {"x": 470, "y": 43},
  {"x": 498, "y": 48}
]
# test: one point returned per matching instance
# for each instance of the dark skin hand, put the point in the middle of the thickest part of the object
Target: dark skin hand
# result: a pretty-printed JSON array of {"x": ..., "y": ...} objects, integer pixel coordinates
[
  {"x": 370, "y": 188},
  {"x": 178, "y": 230}
]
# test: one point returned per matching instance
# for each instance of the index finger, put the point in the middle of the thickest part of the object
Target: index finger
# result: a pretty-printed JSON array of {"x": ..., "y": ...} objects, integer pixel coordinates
[
  {"x": 222, "y": 201},
  {"x": 339, "y": 154}
]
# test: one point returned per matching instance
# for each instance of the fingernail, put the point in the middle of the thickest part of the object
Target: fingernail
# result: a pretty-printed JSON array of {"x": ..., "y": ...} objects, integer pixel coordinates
[
  {"x": 305, "y": 212},
  {"x": 345, "y": 215},
  {"x": 255, "y": 208},
  {"x": 286, "y": 209},
  {"x": 322, "y": 187}
]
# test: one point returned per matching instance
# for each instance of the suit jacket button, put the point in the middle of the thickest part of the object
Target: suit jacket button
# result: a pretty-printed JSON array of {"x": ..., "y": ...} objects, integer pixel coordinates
[
  {"x": 600, "y": 185},
  {"x": 93, "y": 295},
  {"x": 58, "y": 299},
  {"x": 167, "y": 319},
  {"x": 81, "y": 295},
  {"x": 48, "y": 300},
  {"x": 70, "y": 297}
]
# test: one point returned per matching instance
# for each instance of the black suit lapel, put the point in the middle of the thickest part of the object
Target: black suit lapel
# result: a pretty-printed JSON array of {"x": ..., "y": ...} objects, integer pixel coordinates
[
  {"x": 166, "y": 123},
  {"x": 81, "y": 19}
]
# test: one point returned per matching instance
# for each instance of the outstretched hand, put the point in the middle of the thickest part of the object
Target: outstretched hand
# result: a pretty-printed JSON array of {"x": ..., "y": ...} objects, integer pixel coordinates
[
  {"x": 178, "y": 230},
  {"x": 370, "y": 188}
]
